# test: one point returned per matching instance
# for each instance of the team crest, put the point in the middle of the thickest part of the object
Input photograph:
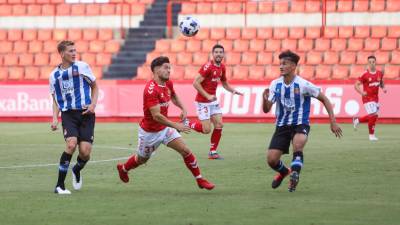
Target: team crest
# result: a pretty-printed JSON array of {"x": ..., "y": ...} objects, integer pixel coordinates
[{"x": 75, "y": 72}]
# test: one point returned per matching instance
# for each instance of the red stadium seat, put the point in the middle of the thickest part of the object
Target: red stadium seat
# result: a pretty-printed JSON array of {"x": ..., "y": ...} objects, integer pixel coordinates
[
  {"x": 256, "y": 73},
  {"x": 203, "y": 34},
  {"x": 345, "y": 6},
  {"x": 251, "y": 7},
  {"x": 314, "y": 58},
  {"x": 234, "y": 7},
  {"x": 362, "y": 57},
  {"x": 378, "y": 32},
  {"x": 177, "y": 73},
  {"x": 331, "y": 58},
  {"x": 188, "y": 8},
  {"x": 305, "y": 45},
  {"x": 191, "y": 72},
  {"x": 193, "y": 45},
  {"x": 5, "y": 10},
  {"x": 48, "y": 10},
  {"x": 361, "y": 6},
  {"x": 92, "y": 10},
  {"x": 96, "y": 46},
  {"x": 16, "y": 73},
  {"x": 382, "y": 57},
  {"x": 29, "y": 35},
  {"x": 74, "y": 34},
  {"x": 172, "y": 57},
  {"x": 11, "y": 60},
  {"x": 313, "y": 6},
  {"x": 106, "y": 34},
  {"x": 346, "y": 32},
  {"x": 275, "y": 59},
  {"x": 89, "y": 58},
  {"x": 89, "y": 34},
  {"x": 41, "y": 59},
  {"x": 347, "y": 57},
  {"x": 217, "y": 33},
  {"x": 313, "y": 32},
  {"x": 356, "y": 71},
  {"x": 233, "y": 33},
  {"x": 264, "y": 58},
  {"x": 297, "y": 6},
  {"x": 272, "y": 45},
  {"x": 14, "y": 35},
  {"x": 3, "y": 34},
  {"x": 228, "y": 44},
  {"x": 296, "y": 32},
  {"x": 207, "y": 45},
  {"x": 265, "y": 7},
  {"x": 107, "y": 9},
  {"x": 395, "y": 59},
  {"x": 331, "y": 6},
  {"x": 361, "y": 32},
  {"x": 150, "y": 56},
  {"x": 82, "y": 46},
  {"x": 281, "y": 6},
  {"x": 200, "y": 58},
  {"x": 257, "y": 45},
  {"x": 392, "y": 71},
  {"x": 394, "y": 31},
  {"x": 20, "y": 46},
  {"x": 55, "y": 59},
  {"x": 340, "y": 72},
  {"x": 45, "y": 72},
  {"x": 44, "y": 35},
  {"x": 338, "y": 44},
  {"x": 228, "y": 72},
  {"x": 162, "y": 45},
  {"x": 59, "y": 34},
  {"x": 240, "y": 72},
  {"x": 371, "y": 44},
  {"x": 389, "y": 44},
  {"x": 289, "y": 44},
  {"x": 306, "y": 72},
  {"x": 19, "y": 10},
  {"x": 183, "y": 58},
  {"x": 249, "y": 33},
  {"x": 112, "y": 46},
  {"x": 281, "y": 32},
  {"x": 233, "y": 58},
  {"x": 35, "y": 46},
  {"x": 178, "y": 46},
  {"x": 272, "y": 72},
  {"x": 355, "y": 44},
  {"x": 103, "y": 59},
  {"x": 143, "y": 73},
  {"x": 265, "y": 32},
  {"x": 323, "y": 72},
  {"x": 392, "y": 5},
  {"x": 249, "y": 58},
  {"x": 3, "y": 73},
  {"x": 6, "y": 46},
  {"x": 377, "y": 5},
  {"x": 331, "y": 32},
  {"x": 97, "y": 71},
  {"x": 204, "y": 8},
  {"x": 32, "y": 73},
  {"x": 240, "y": 45}
]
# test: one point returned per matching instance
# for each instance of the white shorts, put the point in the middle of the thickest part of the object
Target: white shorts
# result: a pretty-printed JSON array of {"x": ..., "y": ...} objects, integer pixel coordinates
[
  {"x": 148, "y": 142},
  {"x": 206, "y": 110},
  {"x": 371, "y": 107}
]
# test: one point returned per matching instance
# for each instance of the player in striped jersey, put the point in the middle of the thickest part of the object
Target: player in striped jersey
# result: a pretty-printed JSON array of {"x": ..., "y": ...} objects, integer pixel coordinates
[
  {"x": 292, "y": 95},
  {"x": 75, "y": 92}
]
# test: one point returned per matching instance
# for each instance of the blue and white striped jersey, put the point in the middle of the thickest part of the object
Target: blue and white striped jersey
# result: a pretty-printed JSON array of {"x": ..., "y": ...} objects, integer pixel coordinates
[
  {"x": 293, "y": 101},
  {"x": 71, "y": 87}
]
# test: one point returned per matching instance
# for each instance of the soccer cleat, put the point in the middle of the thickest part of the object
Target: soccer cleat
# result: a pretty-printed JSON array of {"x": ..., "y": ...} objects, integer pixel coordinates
[
  {"x": 276, "y": 182},
  {"x": 294, "y": 180},
  {"x": 77, "y": 184},
  {"x": 355, "y": 122},
  {"x": 122, "y": 174},
  {"x": 372, "y": 137},
  {"x": 61, "y": 191},
  {"x": 203, "y": 183},
  {"x": 214, "y": 156}
]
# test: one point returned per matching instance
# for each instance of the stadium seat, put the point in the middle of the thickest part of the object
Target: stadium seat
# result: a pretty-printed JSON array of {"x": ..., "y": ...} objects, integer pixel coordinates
[
  {"x": 306, "y": 72},
  {"x": 346, "y": 32},
  {"x": 345, "y": 6},
  {"x": 45, "y": 72},
  {"x": 228, "y": 72},
  {"x": 217, "y": 33},
  {"x": 97, "y": 71},
  {"x": 264, "y": 58},
  {"x": 272, "y": 72},
  {"x": 207, "y": 45},
  {"x": 55, "y": 59},
  {"x": 331, "y": 6},
  {"x": 382, "y": 57},
  {"x": 3, "y": 72},
  {"x": 14, "y": 35},
  {"x": 371, "y": 44},
  {"x": 89, "y": 34},
  {"x": 15, "y": 73},
  {"x": 200, "y": 58},
  {"x": 347, "y": 57},
  {"x": 313, "y": 6},
  {"x": 96, "y": 46},
  {"x": 44, "y": 34},
  {"x": 256, "y": 45},
  {"x": 362, "y": 57},
  {"x": 296, "y": 32},
  {"x": 275, "y": 59},
  {"x": 264, "y": 33},
  {"x": 378, "y": 32},
  {"x": 256, "y": 73},
  {"x": 29, "y": 35},
  {"x": 233, "y": 58},
  {"x": 249, "y": 58},
  {"x": 392, "y": 71},
  {"x": 107, "y": 9},
  {"x": 20, "y": 47},
  {"x": 59, "y": 34},
  {"x": 183, "y": 58},
  {"x": 361, "y": 5},
  {"x": 203, "y": 34},
  {"x": 272, "y": 45},
  {"x": 395, "y": 59},
  {"x": 150, "y": 56},
  {"x": 240, "y": 45},
  {"x": 191, "y": 72},
  {"x": 240, "y": 72},
  {"x": 19, "y": 10},
  {"x": 355, "y": 44},
  {"x": 112, "y": 46},
  {"x": 92, "y": 9},
  {"x": 77, "y": 9},
  {"x": 41, "y": 59},
  {"x": 74, "y": 34},
  {"x": 82, "y": 46},
  {"x": 177, "y": 73},
  {"x": 3, "y": 34},
  {"x": 193, "y": 45},
  {"x": 106, "y": 34},
  {"x": 249, "y": 33},
  {"x": 31, "y": 73},
  {"x": 338, "y": 44},
  {"x": 356, "y": 71},
  {"x": 314, "y": 58},
  {"x": 6, "y": 10},
  {"x": 281, "y": 6},
  {"x": 265, "y": 7},
  {"x": 377, "y": 5},
  {"x": 171, "y": 56},
  {"x": 203, "y": 8},
  {"x": 48, "y": 10},
  {"x": 394, "y": 32},
  {"x": 162, "y": 45},
  {"x": 305, "y": 45},
  {"x": 34, "y": 10},
  {"x": 11, "y": 60},
  {"x": 89, "y": 58},
  {"x": 297, "y": 6},
  {"x": 392, "y": 5},
  {"x": 362, "y": 32},
  {"x": 143, "y": 73},
  {"x": 289, "y": 44},
  {"x": 103, "y": 59},
  {"x": 178, "y": 46},
  {"x": 6, "y": 46},
  {"x": 281, "y": 32},
  {"x": 188, "y": 8},
  {"x": 331, "y": 32},
  {"x": 234, "y": 7},
  {"x": 313, "y": 32},
  {"x": 340, "y": 72},
  {"x": 251, "y": 7},
  {"x": 331, "y": 57},
  {"x": 233, "y": 33},
  {"x": 322, "y": 72},
  {"x": 228, "y": 44},
  {"x": 389, "y": 44}
]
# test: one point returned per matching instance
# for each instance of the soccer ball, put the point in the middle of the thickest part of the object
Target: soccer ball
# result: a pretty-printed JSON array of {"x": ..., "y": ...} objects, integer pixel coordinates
[{"x": 189, "y": 26}]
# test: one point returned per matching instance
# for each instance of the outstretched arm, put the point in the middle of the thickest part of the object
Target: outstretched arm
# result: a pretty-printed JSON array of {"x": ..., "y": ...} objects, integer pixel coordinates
[
  {"x": 177, "y": 101},
  {"x": 160, "y": 118},
  {"x": 197, "y": 85},
  {"x": 328, "y": 106},
  {"x": 229, "y": 88},
  {"x": 357, "y": 87}
]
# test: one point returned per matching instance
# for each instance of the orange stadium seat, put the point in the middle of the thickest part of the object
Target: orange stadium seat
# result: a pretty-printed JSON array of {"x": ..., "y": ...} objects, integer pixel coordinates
[
  {"x": 256, "y": 72},
  {"x": 150, "y": 56},
  {"x": 107, "y": 9},
  {"x": 48, "y": 10},
  {"x": 34, "y": 10},
  {"x": 389, "y": 44},
  {"x": 371, "y": 44},
  {"x": 19, "y": 10},
  {"x": 191, "y": 72},
  {"x": 35, "y": 46},
  {"x": 103, "y": 59},
  {"x": 272, "y": 72},
  {"x": 11, "y": 60},
  {"x": 331, "y": 57},
  {"x": 234, "y": 7},
  {"x": 281, "y": 6},
  {"x": 177, "y": 72},
  {"x": 143, "y": 73},
  {"x": 89, "y": 34},
  {"x": 20, "y": 46},
  {"x": 378, "y": 32},
  {"x": 41, "y": 59},
  {"x": 256, "y": 45},
  {"x": 249, "y": 58},
  {"x": 3, "y": 73},
  {"x": 272, "y": 45},
  {"x": 306, "y": 72},
  {"x": 377, "y": 5},
  {"x": 45, "y": 72},
  {"x": 394, "y": 32},
  {"x": 361, "y": 5},
  {"x": 77, "y": 9},
  {"x": 16, "y": 73},
  {"x": 74, "y": 34},
  {"x": 183, "y": 58},
  {"x": 193, "y": 45},
  {"x": 289, "y": 44},
  {"x": 338, "y": 44},
  {"x": 171, "y": 56},
  {"x": 314, "y": 58},
  {"x": 265, "y": 7},
  {"x": 322, "y": 72},
  {"x": 313, "y": 32},
  {"x": 59, "y": 34},
  {"x": 228, "y": 44},
  {"x": 297, "y": 6},
  {"x": 3, "y": 34},
  {"x": 340, "y": 72},
  {"x": 228, "y": 72},
  {"x": 31, "y": 73},
  {"x": 106, "y": 34},
  {"x": 200, "y": 58},
  {"x": 382, "y": 57},
  {"x": 356, "y": 71},
  {"x": 63, "y": 9},
  {"x": 251, "y": 7},
  {"x": 275, "y": 59},
  {"x": 233, "y": 33},
  {"x": 89, "y": 58},
  {"x": 82, "y": 46},
  {"x": 55, "y": 59},
  {"x": 240, "y": 72},
  {"x": 264, "y": 33},
  {"x": 203, "y": 8},
  {"x": 92, "y": 9},
  {"x": 395, "y": 59},
  {"x": 362, "y": 57},
  {"x": 331, "y": 6},
  {"x": 207, "y": 45},
  {"x": 96, "y": 46},
  {"x": 264, "y": 58},
  {"x": 331, "y": 32},
  {"x": 97, "y": 71},
  {"x": 112, "y": 46},
  {"x": 29, "y": 35},
  {"x": 347, "y": 57},
  {"x": 44, "y": 34},
  {"x": 346, "y": 32},
  {"x": 392, "y": 5},
  {"x": 249, "y": 33},
  {"x": 240, "y": 45},
  {"x": 281, "y": 32},
  {"x": 188, "y": 8},
  {"x": 355, "y": 44},
  {"x": 233, "y": 58},
  {"x": 322, "y": 44},
  {"x": 305, "y": 45},
  {"x": 6, "y": 46},
  {"x": 138, "y": 9},
  {"x": 203, "y": 34},
  {"x": 217, "y": 33},
  {"x": 313, "y": 6},
  {"x": 178, "y": 46},
  {"x": 345, "y": 6},
  {"x": 302, "y": 57},
  {"x": 14, "y": 35},
  {"x": 392, "y": 71},
  {"x": 361, "y": 32},
  {"x": 296, "y": 32},
  {"x": 5, "y": 10}
]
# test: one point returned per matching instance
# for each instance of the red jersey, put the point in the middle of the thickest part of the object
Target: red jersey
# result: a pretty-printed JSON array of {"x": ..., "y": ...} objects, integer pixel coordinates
[
  {"x": 212, "y": 75},
  {"x": 155, "y": 94},
  {"x": 371, "y": 83}
]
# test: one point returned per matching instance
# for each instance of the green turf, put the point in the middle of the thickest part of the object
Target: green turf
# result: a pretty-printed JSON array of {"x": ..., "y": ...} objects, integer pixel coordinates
[{"x": 348, "y": 181}]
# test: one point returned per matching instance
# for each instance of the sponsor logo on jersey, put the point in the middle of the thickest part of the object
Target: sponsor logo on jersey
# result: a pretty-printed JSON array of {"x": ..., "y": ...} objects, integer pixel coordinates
[{"x": 374, "y": 84}]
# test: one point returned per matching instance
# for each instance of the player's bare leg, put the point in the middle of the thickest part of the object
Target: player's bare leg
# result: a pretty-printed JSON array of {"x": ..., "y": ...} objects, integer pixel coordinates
[
  {"x": 65, "y": 159},
  {"x": 190, "y": 162},
  {"x": 85, "y": 148},
  {"x": 133, "y": 162},
  {"x": 216, "y": 119},
  {"x": 299, "y": 141},
  {"x": 274, "y": 161}
]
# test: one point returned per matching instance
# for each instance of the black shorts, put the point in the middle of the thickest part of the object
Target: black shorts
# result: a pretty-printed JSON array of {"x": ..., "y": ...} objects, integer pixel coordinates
[
  {"x": 283, "y": 136},
  {"x": 77, "y": 125}
]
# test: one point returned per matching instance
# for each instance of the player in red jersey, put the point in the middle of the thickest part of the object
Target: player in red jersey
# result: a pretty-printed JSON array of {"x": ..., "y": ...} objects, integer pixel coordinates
[
  {"x": 155, "y": 128},
  {"x": 371, "y": 80},
  {"x": 208, "y": 109}
]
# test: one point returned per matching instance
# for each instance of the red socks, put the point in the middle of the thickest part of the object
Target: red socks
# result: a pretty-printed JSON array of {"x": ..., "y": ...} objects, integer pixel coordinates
[
  {"x": 131, "y": 163},
  {"x": 196, "y": 126},
  {"x": 371, "y": 124},
  {"x": 215, "y": 137},
  {"x": 191, "y": 164}
]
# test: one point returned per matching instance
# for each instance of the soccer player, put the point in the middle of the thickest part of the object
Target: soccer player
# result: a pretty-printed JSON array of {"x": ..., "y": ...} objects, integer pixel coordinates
[
  {"x": 208, "y": 109},
  {"x": 371, "y": 80},
  {"x": 156, "y": 128},
  {"x": 75, "y": 92},
  {"x": 292, "y": 95}
]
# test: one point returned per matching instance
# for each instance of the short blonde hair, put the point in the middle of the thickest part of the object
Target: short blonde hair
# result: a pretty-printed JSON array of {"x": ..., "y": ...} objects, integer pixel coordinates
[{"x": 63, "y": 45}]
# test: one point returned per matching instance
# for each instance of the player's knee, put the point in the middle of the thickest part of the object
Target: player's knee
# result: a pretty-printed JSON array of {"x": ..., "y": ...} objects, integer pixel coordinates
[
  {"x": 206, "y": 130},
  {"x": 219, "y": 125},
  {"x": 71, "y": 146},
  {"x": 272, "y": 162}
]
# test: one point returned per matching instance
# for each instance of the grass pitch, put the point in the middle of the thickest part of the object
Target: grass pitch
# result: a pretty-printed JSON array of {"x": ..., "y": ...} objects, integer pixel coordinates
[{"x": 348, "y": 181}]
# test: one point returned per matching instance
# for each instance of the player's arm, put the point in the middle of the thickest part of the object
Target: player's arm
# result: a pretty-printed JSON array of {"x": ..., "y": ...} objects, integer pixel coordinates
[
  {"x": 95, "y": 95},
  {"x": 177, "y": 101},
  {"x": 197, "y": 85},
  {"x": 382, "y": 85},
  {"x": 357, "y": 87},
  {"x": 227, "y": 87},
  {"x": 160, "y": 118},
  {"x": 56, "y": 112},
  {"x": 328, "y": 106},
  {"x": 266, "y": 105}
]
